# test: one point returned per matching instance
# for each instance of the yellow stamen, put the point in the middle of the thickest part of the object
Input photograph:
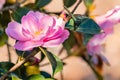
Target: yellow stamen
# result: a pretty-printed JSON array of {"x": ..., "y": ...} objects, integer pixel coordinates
[{"x": 37, "y": 32}]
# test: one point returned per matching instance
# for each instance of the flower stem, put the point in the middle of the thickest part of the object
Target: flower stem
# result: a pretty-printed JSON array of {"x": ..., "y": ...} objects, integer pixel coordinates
[{"x": 98, "y": 76}]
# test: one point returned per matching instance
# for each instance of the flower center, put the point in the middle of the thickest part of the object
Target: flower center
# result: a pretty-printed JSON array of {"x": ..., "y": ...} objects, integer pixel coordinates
[{"x": 37, "y": 33}]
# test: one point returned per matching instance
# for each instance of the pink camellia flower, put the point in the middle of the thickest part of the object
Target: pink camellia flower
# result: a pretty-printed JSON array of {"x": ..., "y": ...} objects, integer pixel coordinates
[
  {"x": 106, "y": 23},
  {"x": 2, "y": 2},
  {"x": 37, "y": 29},
  {"x": 95, "y": 47}
]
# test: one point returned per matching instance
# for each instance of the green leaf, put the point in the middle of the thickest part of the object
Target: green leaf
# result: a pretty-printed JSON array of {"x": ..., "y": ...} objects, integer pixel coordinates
[
  {"x": 6, "y": 65},
  {"x": 84, "y": 25},
  {"x": 69, "y": 43},
  {"x": 38, "y": 77},
  {"x": 15, "y": 77},
  {"x": 45, "y": 74},
  {"x": 3, "y": 39},
  {"x": 42, "y": 3},
  {"x": 1, "y": 30},
  {"x": 89, "y": 27},
  {"x": 2, "y": 71},
  {"x": 23, "y": 53},
  {"x": 69, "y": 3},
  {"x": 59, "y": 64},
  {"x": 87, "y": 37},
  {"x": 42, "y": 57},
  {"x": 88, "y": 3},
  {"x": 18, "y": 13},
  {"x": 55, "y": 62},
  {"x": 5, "y": 18},
  {"x": 70, "y": 24}
]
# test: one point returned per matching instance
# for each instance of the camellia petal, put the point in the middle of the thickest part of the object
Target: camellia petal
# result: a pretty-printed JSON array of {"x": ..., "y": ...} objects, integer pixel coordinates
[
  {"x": 14, "y": 30},
  {"x": 56, "y": 41},
  {"x": 27, "y": 45},
  {"x": 107, "y": 21}
]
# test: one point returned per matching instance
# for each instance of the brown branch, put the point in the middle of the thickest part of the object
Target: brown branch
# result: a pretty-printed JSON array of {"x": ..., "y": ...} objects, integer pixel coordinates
[
  {"x": 12, "y": 7},
  {"x": 9, "y": 54},
  {"x": 76, "y": 6},
  {"x": 16, "y": 66}
]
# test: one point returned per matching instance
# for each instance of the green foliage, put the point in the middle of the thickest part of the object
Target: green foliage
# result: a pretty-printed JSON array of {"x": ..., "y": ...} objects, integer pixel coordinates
[
  {"x": 42, "y": 57},
  {"x": 3, "y": 38},
  {"x": 69, "y": 43},
  {"x": 45, "y": 74},
  {"x": 69, "y": 3},
  {"x": 88, "y": 3},
  {"x": 5, "y": 66},
  {"x": 18, "y": 13},
  {"x": 55, "y": 62},
  {"x": 5, "y": 18},
  {"x": 70, "y": 24},
  {"x": 88, "y": 26},
  {"x": 38, "y": 77},
  {"x": 42, "y": 3},
  {"x": 84, "y": 25},
  {"x": 15, "y": 77}
]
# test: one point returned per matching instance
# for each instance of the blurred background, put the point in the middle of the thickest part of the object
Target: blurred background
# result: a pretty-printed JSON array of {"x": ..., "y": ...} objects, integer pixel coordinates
[{"x": 76, "y": 68}]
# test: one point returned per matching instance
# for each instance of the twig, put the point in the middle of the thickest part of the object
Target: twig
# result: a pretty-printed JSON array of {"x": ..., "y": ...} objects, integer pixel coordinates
[
  {"x": 70, "y": 14},
  {"x": 98, "y": 76},
  {"x": 16, "y": 66},
  {"x": 61, "y": 75},
  {"x": 76, "y": 6},
  {"x": 61, "y": 50},
  {"x": 9, "y": 55},
  {"x": 17, "y": 4}
]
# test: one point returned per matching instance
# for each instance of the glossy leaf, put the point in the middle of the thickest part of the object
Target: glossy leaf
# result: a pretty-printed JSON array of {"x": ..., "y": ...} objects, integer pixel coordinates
[
  {"x": 3, "y": 39},
  {"x": 23, "y": 53},
  {"x": 6, "y": 65},
  {"x": 45, "y": 74},
  {"x": 70, "y": 24},
  {"x": 89, "y": 27},
  {"x": 59, "y": 64},
  {"x": 18, "y": 13},
  {"x": 2, "y": 71},
  {"x": 1, "y": 30},
  {"x": 38, "y": 77},
  {"x": 42, "y": 3},
  {"x": 84, "y": 25},
  {"x": 15, "y": 77},
  {"x": 69, "y": 43},
  {"x": 55, "y": 62},
  {"x": 42, "y": 57},
  {"x": 88, "y": 3},
  {"x": 87, "y": 37},
  {"x": 69, "y": 3},
  {"x": 5, "y": 18}
]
